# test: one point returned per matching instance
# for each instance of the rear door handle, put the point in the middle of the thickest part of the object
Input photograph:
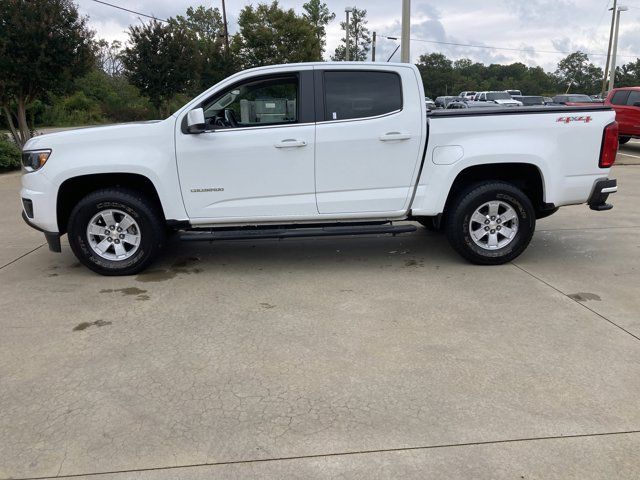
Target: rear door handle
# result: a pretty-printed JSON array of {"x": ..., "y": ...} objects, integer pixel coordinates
[
  {"x": 391, "y": 136},
  {"x": 290, "y": 143}
]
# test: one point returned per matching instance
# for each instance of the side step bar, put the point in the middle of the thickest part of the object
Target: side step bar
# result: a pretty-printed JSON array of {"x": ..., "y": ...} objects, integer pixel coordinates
[{"x": 211, "y": 235}]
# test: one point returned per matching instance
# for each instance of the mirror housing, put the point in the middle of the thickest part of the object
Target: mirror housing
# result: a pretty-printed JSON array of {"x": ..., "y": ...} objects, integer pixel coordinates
[{"x": 195, "y": 121}]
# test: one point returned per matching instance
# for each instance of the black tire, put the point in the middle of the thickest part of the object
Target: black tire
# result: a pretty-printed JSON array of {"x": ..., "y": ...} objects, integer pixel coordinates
[
  {"x": 141, "y": 209},
  {"x": 430, "y": 223},
  {"x": 623, "y": 140},
  {"x": 468, "y": 201}
]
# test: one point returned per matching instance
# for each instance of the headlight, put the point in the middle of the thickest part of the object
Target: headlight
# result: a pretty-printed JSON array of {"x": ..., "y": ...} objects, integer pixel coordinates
[{"x": 34, "y": 159}]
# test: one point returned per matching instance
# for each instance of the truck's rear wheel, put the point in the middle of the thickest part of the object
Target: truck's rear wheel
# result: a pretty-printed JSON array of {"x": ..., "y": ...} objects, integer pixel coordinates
[
  {"x": 115, "y": 231},
  {"x": 623, "y": 140},
  {"x": 490, "y": 223}
]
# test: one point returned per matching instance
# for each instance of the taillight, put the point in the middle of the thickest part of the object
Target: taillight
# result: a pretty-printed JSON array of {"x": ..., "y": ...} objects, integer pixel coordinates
[{"x": 609, "y": 148}]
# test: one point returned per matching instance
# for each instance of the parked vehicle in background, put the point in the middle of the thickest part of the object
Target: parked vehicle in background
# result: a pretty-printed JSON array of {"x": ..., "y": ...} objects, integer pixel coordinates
[
  {"x": 442, "y": 102},
  {"x": 514, "y": 92},
  {"x": 501, "y": 98},
  {"x": 467, "y": 95},
  {"x": 548, "y": 101},
  {"x": 574, "y": 100},
  {"x": 470, "y": 104},
  {"x": 315, "y": 149},
  {"x": 626, "y": 102},
  {"x": 529, "y": 100},
  {"x": 430, "y": 104}
]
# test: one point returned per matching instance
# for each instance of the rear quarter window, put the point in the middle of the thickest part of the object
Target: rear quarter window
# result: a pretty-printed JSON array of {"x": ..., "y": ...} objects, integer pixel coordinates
[
  {"x": 620, "y": 97},
  {"x": 634, "y": 97},
  {"x": 350, "y": 95}
]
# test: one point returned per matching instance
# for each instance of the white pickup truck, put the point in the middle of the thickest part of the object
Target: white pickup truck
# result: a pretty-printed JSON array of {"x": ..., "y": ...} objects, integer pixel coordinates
[{"x": 316, "y": 149}]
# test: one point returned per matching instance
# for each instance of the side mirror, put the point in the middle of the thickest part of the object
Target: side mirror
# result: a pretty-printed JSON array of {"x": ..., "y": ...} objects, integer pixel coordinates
[{"x": 195, "y": 121}]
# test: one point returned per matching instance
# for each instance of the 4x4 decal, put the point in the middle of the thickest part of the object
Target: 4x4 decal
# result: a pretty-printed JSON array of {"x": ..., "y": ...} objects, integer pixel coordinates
[{"x": 584, "y": 119}]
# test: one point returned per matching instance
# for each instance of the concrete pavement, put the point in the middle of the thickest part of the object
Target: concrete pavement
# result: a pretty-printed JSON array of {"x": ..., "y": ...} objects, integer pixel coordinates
[{"x": 359, "y": 357}]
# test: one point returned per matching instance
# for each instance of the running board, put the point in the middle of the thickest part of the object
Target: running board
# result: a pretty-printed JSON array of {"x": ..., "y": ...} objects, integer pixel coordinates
[{"x": 211, "y": 235}]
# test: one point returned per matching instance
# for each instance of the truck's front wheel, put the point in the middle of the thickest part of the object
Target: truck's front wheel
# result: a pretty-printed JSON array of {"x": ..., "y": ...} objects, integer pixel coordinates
[
  {"x": 490, "y": 223},
  {"x": 115, "y": 231}
]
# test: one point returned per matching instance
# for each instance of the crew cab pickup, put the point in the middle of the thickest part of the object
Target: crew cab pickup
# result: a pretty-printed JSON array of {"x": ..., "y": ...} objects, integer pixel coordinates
[
  {"x": 626, "y": 103},
  {"x": 316, "y": 149}
]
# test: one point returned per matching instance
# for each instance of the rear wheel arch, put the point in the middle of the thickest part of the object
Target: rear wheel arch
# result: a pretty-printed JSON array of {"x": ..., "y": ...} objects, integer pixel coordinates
[
  {"x": 74, "y": 189},
  {"x": 525, "y": 176}
]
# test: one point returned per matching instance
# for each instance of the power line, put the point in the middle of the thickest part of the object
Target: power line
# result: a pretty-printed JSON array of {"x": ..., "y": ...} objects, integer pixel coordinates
[
  {"x": 131, "y": 11},
  {"x": 526, "y": 50}
]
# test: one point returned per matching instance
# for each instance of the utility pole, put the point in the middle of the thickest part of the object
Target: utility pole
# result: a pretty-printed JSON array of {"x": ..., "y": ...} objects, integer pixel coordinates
[
  {"x": 405, "y": 56},
  {"x": 347, "y": 10},
  {"x": 614, "y": 50},
  {"x": 606, "y": 68},
  {"x": 373, "y": 48},
  {"x": 226, "y": 29}
]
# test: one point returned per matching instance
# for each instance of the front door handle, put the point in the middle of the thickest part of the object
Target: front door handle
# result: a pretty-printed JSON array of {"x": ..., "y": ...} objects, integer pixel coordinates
[
  {"x": 290, "y": 143},
  {"x": 391, "y": 136}
]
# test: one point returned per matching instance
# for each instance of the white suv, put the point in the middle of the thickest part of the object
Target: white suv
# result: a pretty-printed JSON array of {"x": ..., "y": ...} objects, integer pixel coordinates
[{"x": 501, "y": 98}]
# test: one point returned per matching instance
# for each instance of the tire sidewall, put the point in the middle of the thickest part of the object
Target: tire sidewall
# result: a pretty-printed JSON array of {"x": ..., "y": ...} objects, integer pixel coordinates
[
  {"x": 526, "y": 223},
  {"x": 79, "y": 242}
]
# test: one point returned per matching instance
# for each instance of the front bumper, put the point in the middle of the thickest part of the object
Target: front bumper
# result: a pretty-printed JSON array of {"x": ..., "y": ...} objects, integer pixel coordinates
[
  {"x": 601, "y": 191},
  {"x": 53, "y": 238}
]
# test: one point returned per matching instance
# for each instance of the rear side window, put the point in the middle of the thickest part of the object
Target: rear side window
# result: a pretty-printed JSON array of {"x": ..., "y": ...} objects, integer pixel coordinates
[
  {"x": 620, "y": 97},
  {"x": 361, "y": 94},
  {"x": 634, "y": 97}
]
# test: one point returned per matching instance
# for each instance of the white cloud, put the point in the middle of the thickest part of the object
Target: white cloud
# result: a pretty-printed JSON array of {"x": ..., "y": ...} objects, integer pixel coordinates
[{"x": 529, "y": 25}]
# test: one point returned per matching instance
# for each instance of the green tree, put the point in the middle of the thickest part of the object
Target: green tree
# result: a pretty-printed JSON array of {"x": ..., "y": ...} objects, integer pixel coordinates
[
  {"x": 318, "y": 14},
  {"x": 160, "y": 61},
  {"x": 359, "y": 38},
  {"x": 44, "y": 44},
  {"x": 628, "y": 75},
  {"x": 576, "y": 73},
  {"x": 206, "y": 29},
  {"x": 108, "y": 57},
  {"x": 437, "y": 75},
  {"x": 270, "y": 35}
]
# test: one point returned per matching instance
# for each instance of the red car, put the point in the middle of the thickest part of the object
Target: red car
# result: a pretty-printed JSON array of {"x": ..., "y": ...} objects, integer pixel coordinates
[{"x": 626, "y": 102}]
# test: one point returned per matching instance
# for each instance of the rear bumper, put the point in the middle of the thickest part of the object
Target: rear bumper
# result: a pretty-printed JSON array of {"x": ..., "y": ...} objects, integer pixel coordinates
[
  {"x": 53, "y": 238},
  {"x": 601, "y": 191}
]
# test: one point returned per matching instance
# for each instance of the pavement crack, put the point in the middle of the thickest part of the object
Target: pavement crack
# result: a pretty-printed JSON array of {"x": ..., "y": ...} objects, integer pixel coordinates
[
  {"x": 22, "y": 256},
  {"x": 341, "y": 454},
  {"x": 576, "y": 300}
]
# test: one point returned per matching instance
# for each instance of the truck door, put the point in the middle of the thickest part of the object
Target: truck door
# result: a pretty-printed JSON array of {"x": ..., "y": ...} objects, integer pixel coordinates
[
  {"x": 369, "y": 139},
  {"x": 256, "y": 158}
]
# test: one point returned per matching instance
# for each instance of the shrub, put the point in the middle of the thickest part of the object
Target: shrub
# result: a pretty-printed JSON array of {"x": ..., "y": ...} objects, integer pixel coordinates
[{"x": 9, "y": 154}]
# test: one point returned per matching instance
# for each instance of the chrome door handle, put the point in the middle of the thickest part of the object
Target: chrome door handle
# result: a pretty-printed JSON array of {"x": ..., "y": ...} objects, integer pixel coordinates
[
  {"x": 391, "y": 136},
  {"x": 290, "y": 143}
]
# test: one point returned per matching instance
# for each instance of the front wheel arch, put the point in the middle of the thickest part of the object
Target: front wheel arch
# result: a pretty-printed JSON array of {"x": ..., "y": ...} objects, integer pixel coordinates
[{"x": 74, "y": 189}]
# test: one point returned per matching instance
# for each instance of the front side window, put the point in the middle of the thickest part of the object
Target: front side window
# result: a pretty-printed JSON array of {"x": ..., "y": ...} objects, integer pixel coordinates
[
  {"x": 256, "y": 102},
  {"x": 351, "y": 95},
  {"x": 634, "y": 97}
]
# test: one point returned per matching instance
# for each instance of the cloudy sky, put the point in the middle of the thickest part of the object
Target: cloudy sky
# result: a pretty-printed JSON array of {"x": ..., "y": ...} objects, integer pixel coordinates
[{"x": 537, "y": 29}]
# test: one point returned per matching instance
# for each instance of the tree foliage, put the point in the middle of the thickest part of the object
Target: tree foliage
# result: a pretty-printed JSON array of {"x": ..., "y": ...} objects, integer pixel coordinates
[
  {"x": 44, "y": 44},
  {"x": 359, "y": 38},
  {"x": 206, "y": 29},
  {"x": 318, "y": 14},
  {"x": 441, "y": 76},
  {"x": 270, "y": 35},
  {"x": 576, "y": 73},
  {"x": 109, "y": 57},
  {"x": 160, "y": 61}
]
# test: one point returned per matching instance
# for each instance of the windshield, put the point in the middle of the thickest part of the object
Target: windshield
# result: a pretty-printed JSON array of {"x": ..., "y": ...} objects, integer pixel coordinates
[
  {"x": 498, "y": 96},
  {"x": 579, "y": 98},
  {"x": 532, "y": 100}
]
